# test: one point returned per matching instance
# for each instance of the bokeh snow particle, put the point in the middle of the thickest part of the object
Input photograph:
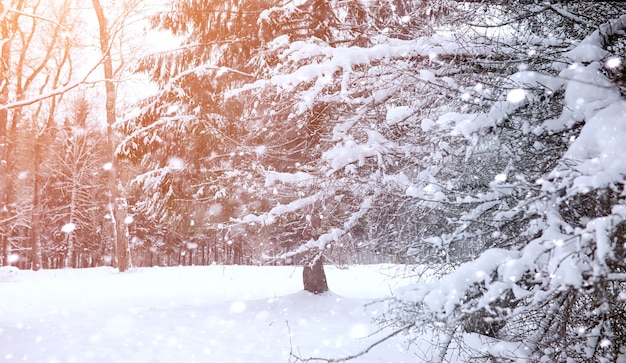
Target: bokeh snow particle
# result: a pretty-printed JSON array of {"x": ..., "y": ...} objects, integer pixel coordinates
[
  {"x": 13, "y": 258},
  {"x": 260, "y": 150},
  {"x": 215, "y": 209},
  {"x": 516, "y": 95},
  {"x": 68, "y": 228},
  {"x": 500, "y": 178},
  {"x": 176, "y": 163},
  {"x": 107, "y": 166},
  {"x": 613, "y": 62}
]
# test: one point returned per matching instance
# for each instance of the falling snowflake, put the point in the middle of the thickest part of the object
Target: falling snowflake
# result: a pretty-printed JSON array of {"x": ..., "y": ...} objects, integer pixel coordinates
[
  {"x": 260, "y": 150},
  {"x": 613, "y": 62},
  {"x": 516, "y": 95},
  {"x": 68, "y": 228},
  {"x": 215, "y": 209},
  {"x": 605, "y": 343},
  {"x": 176, "y": 163}
]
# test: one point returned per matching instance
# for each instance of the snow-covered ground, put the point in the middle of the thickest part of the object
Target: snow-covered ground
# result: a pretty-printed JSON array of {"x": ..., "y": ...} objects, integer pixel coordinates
[{"x": 193, "y": 314}]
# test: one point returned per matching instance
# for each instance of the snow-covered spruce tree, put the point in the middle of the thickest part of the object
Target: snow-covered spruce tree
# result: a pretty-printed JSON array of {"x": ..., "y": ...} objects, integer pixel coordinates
[
  {"x": 229, "y": 154},
  {"x": 543, "y": 213},
  {"x": 357, "y": 99},
  {"x": 338, "y": 155},
  {"x": 187, "y": 139},
  {"x": 295, "y": 124}
]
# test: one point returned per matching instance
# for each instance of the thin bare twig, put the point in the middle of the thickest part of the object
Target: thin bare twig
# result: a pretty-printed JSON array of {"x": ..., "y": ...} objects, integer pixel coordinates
[{"x": 356, "y": 355}]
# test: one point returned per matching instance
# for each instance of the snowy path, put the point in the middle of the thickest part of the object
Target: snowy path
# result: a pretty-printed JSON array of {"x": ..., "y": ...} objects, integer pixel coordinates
[{"x": 190, "y": 314}]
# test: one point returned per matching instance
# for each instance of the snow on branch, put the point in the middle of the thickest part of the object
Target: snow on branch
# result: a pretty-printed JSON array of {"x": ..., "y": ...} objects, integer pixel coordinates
[
  {"x": 521, "y": 88},
  {"x": 334, "y": 234},
  {"x": 281, "y": 209},
  {"x": 346, "y": 58},
  {"x": 546, "y": 265},
  {"x": 597, "y": 153},
  {"x": 151, "y": 178},
  {"x": 346, "y": 154},
  {"x": 569, "y": 15},
  {"x": 122, "y": 147},
  {"x": 198, "y": 70},
  {"x": 316, "y": 244},
  {"x": 273, "y": 177}
]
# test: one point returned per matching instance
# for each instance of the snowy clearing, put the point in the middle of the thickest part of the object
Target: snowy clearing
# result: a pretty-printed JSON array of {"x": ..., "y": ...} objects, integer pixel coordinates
[{"x": 193, "y": 314}]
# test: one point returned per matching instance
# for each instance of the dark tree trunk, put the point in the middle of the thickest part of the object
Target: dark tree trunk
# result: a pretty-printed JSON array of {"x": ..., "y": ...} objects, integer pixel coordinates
[
  {"x": 314, "y": 277},
  {"x": 121, "y": 255},
  {"x": 8, "y": 25},
  {"x": 204, "y": 257},
  {"x": 35, "y": 227}
]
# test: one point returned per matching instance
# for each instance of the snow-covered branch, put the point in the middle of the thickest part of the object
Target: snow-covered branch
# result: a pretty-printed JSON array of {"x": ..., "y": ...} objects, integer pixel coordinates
[
  {"x": 52, "y": 93},
  {"x": 277, "y": 211}
]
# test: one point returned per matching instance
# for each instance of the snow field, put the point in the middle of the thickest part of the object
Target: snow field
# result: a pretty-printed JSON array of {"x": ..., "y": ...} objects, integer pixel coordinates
[{"x": 192, "y": 314}]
